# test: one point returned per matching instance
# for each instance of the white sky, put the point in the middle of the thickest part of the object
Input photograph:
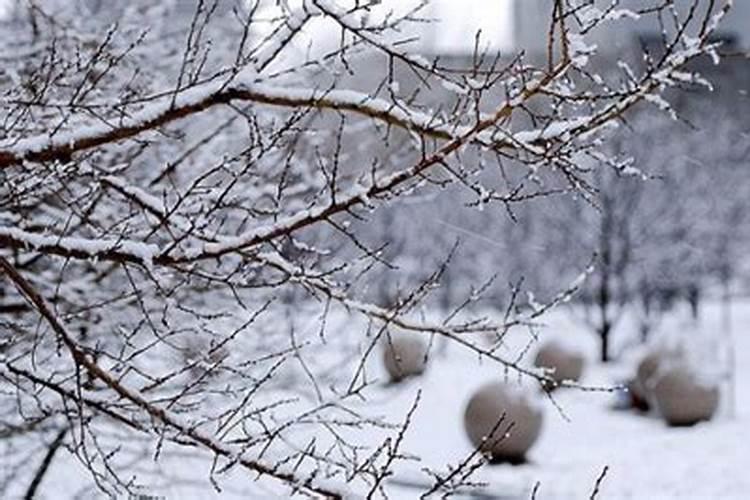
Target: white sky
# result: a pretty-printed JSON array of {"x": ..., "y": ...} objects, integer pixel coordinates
[
  {"x": 4, "y": 8},
  {"x": 458, "y": 21}
]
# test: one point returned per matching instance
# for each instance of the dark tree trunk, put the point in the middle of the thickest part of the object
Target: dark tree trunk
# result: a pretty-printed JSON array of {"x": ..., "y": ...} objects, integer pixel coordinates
[
  {"x": 605, "y": 325},
  {"x": 694, "y": 300},
  {"x": 646, "y": 301},
  {"x": 604, "y": 298},
  {"x": 605, "y": 342}
]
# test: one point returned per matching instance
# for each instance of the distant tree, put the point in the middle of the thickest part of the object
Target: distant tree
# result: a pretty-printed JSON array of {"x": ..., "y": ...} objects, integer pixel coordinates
[{"x": 668, "y": 225}]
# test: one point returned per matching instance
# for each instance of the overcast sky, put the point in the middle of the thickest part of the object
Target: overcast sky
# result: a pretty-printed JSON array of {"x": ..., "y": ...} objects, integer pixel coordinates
[{"x": 459, "y": 20}]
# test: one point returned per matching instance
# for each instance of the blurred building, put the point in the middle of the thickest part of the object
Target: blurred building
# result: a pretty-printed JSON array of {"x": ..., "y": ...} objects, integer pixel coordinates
[
  {"x": 531, "y": 24},
  {"x": 514, "y": 24}
]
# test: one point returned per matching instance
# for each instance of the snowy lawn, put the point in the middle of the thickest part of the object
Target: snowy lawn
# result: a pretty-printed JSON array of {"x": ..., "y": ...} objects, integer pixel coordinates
[{"x": 646, "y": 459}]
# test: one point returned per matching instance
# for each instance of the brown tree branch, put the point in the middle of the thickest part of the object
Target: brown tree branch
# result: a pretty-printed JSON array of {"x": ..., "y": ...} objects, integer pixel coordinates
[{"x": 82, "y": 359}]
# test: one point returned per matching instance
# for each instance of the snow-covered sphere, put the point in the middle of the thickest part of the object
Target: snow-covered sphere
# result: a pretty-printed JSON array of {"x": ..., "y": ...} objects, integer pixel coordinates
[
  {"x": 516, "y": 432},
  {"x": 683, "y": 399},
  {"x": 645, "y": 376},
  {"x": 564, "y": 363},
  {"x": 636, "y": 396},
  {"x": 404, "y": 355}
]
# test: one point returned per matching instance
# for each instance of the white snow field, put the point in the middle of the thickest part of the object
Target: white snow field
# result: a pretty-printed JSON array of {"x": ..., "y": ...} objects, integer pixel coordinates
[{"x": 645, "y": 458}]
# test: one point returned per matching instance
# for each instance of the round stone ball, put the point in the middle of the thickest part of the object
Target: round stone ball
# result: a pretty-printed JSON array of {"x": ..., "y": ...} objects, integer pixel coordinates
[
  {"x": 404, "y": 355},
  {"x": 564, "y": 364},
  {"x": 645, "y": 376},
  {"x": 508, "y": 438},
  {"x": 682, "y": 399},
  {"x": 636, "y": 397}
]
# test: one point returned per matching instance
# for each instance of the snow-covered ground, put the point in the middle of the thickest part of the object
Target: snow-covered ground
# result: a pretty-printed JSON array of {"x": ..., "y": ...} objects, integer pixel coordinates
[{"x": 646, "y": 459}]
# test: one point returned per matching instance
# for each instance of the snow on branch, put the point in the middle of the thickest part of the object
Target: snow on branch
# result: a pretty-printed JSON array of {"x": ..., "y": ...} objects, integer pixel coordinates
[
  {"x": 121, "y": 250},
  {"x": 200, "y": 98}
]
